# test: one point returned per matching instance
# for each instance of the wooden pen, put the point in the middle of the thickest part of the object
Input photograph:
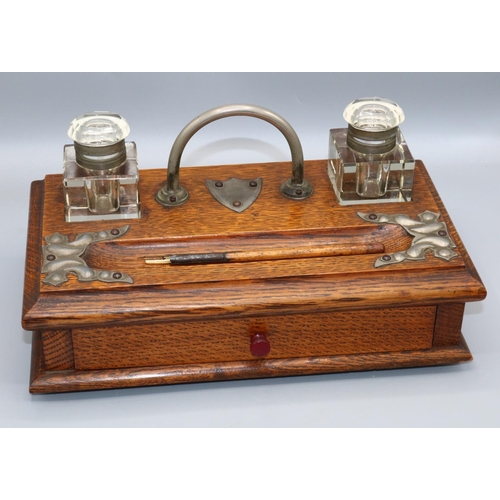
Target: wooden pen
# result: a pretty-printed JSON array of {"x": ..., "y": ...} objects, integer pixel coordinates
[{"x": 274, "y": 254}]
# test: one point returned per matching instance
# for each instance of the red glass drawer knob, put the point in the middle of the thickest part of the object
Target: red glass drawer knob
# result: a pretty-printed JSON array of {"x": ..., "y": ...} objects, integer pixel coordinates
[{"x": 259, "y": 345}]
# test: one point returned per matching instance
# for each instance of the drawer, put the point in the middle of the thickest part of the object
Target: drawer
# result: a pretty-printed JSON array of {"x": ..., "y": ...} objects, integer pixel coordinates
[{"x": 289, "y": 336}]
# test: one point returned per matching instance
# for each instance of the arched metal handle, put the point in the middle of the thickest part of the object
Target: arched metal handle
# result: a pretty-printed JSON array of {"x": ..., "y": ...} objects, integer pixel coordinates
[{"x": 172, "y": 194}]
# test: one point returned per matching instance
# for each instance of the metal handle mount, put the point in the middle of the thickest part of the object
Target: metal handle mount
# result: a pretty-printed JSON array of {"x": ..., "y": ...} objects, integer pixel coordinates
[{"x": 172, "y": 194}]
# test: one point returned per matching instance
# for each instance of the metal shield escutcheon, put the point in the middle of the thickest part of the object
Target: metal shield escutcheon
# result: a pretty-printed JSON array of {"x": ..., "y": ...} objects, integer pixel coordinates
[{"x": 235, "y": 194}]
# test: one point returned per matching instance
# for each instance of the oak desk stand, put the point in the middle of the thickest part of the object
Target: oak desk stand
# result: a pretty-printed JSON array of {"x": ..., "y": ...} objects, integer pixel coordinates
[{"x": 242, "y": 320}]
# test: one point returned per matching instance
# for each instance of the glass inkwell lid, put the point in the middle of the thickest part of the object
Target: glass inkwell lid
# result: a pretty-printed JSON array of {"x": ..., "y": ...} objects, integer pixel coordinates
[
  {"x": 99, "y": 139},
  {"x": 373, "y": 124}
]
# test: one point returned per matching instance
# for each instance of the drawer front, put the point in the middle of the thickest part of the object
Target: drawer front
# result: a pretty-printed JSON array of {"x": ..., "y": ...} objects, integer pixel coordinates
[{"x": 290, "y": 336}]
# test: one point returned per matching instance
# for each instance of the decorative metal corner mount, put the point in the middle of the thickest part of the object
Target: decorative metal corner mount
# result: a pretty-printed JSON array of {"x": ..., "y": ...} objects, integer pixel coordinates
[
  {"x": 429, "y": 235},
  {"x": 61, "y": 256}
]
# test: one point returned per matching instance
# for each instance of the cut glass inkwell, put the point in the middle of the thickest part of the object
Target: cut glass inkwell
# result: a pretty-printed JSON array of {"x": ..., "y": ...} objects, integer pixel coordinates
[
  {"x": 101, "y": 173},
  {"x": 369, "y": 161}
]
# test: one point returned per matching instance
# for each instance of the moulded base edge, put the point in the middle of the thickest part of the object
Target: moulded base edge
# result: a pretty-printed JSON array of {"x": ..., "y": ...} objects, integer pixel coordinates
[{"x": 46, "y": 381}]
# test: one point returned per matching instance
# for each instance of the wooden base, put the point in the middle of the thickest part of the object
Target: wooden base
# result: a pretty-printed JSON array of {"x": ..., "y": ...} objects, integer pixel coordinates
[
  {"x": 199, "y": 323},
  {"x": 55, "y": 381}
]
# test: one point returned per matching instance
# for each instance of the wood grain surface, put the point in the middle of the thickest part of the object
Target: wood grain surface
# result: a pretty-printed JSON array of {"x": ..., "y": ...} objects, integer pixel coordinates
[
  {"x": 74, "y": 380},
  {"x": 33, "y": 248},
  {"x": 58, "y": 349},
  {"x": 448, "y": 326},
  {"x": 179, "y": 324},
  {"x": 204, "y": 225},
  {"x": 255, "y": 288},
  {"x": 376, "y": 330}
]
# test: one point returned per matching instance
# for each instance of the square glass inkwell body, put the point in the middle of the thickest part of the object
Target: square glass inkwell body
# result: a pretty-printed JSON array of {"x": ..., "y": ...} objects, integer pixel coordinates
[{"x": 369, "y": 162}]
